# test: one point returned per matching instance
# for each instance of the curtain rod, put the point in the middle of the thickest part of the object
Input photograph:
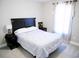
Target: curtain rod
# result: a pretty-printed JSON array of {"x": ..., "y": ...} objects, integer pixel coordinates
[{"x": 65, "y": 2}]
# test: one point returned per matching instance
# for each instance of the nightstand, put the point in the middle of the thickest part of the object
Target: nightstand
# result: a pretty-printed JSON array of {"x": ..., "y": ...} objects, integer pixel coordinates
[
  {"x": 11, "y": 41},
  {"x": 43, "y": 28}
]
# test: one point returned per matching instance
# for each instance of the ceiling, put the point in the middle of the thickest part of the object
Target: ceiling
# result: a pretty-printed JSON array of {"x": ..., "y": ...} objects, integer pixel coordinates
[{"x": 42, "y": 0}]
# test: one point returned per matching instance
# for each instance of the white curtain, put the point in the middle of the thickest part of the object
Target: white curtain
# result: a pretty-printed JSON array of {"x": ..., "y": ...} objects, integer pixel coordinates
[{"x": 63, "y": 19}]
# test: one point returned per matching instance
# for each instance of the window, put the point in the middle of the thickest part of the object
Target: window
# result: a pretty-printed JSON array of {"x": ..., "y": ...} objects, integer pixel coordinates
[{"x": 62, "y": 18}]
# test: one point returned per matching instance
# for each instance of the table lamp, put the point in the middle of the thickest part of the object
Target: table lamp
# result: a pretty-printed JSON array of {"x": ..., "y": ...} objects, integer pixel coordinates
[{"x": 9, "y": 29}]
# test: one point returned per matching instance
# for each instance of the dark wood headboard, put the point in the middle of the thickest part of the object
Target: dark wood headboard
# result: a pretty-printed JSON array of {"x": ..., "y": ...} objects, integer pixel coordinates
[{"x": 18, "y": 23}]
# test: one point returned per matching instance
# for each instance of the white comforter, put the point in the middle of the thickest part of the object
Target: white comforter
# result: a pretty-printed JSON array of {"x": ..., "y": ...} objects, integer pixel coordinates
[{"x": 39, "y": 43}]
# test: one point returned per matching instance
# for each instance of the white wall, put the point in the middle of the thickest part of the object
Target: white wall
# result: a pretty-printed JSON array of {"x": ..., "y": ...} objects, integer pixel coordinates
[
  {"x": 17, "y": 9},
  {"x": 75, "y": 28},
  {"x": 48, "y": 16}
]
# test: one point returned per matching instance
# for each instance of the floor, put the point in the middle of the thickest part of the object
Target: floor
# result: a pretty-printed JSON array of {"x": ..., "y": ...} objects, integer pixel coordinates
[{"x": 64, "y": 51}]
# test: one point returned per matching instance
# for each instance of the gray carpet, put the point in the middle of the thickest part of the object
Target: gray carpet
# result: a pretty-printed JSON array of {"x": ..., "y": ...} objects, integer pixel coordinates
[{"x": 64, "y": 51}]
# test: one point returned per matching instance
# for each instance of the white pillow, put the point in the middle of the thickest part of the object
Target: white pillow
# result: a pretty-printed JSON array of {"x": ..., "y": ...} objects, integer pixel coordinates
[{"x": 21, "y": 30}]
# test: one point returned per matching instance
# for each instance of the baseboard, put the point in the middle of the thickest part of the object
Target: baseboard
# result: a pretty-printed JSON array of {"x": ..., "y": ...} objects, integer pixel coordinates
[
  {"x": 3, "y": 45},
  {"x": 75, "y": 43}
]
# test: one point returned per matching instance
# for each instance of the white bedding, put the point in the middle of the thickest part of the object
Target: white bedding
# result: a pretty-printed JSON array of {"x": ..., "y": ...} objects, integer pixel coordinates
[{"x": 39, "y": 43}]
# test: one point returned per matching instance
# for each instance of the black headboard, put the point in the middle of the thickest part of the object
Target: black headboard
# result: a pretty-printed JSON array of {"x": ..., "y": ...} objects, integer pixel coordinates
[{"x": 22, "y": 22}]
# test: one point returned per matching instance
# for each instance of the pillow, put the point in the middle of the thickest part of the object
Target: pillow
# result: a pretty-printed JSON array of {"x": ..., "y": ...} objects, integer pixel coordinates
[{"x": 21, "y": 30}]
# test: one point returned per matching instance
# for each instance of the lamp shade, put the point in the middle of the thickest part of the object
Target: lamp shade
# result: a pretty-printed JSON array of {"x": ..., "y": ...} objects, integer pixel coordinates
[{"x": 8, "y": 27}]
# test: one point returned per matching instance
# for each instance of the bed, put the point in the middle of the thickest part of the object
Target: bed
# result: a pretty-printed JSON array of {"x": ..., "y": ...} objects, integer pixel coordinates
[{"x": 39, "y": 43}]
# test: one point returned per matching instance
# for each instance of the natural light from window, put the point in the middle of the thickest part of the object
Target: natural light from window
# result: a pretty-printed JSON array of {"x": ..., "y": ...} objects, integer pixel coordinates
[{"x": 62, "y": 18}]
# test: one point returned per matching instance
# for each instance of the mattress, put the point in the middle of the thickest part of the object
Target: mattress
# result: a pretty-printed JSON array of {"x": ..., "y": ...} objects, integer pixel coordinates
[{"x": 39, "y": 43}]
